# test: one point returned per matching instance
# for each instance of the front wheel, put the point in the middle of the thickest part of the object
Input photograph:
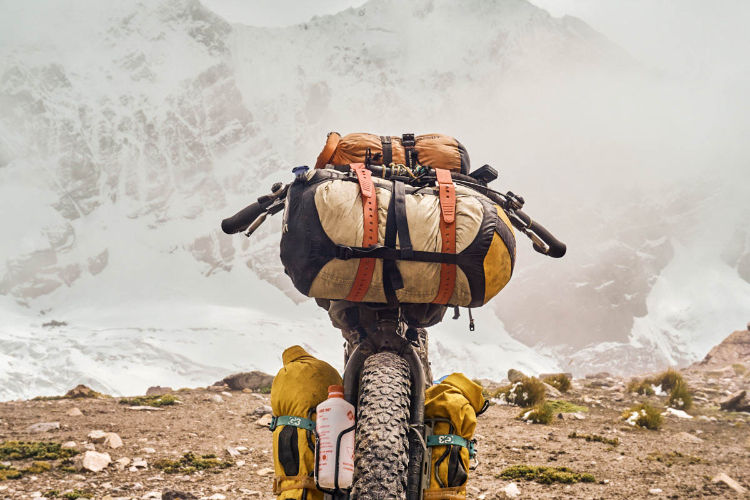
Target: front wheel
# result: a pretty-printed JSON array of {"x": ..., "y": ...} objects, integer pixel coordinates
[{"x": 381, "y": 454}]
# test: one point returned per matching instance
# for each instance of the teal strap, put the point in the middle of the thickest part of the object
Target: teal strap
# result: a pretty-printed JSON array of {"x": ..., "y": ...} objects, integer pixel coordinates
[
  {"x": 452, "y": 439},
  {"x": 301, "y": 422}
]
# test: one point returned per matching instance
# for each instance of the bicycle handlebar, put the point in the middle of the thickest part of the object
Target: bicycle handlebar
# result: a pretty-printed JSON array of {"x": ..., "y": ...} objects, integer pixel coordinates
[
  {"x": 242, "y": 219},
  {"x": 543, "y": 241},
  {"x": 555, "y": 247}
]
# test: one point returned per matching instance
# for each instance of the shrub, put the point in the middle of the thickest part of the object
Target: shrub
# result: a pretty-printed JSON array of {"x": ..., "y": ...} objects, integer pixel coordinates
[
  {"x": 561, "y": 406},
  {"x": 560, "y": 381},
  {"x": 668, "y": 379},
  {"x": 644, "y": 415},
  {"x": 40, "y": 450},
  {"x": 546, "y": 475},
  {"x": 594, "y": 437},
  {"x": 528, "y": 392},
  {"x": 680, "y": 396},
  {"x": 542, "y": 413},
  {"x": 190, "y": 462},
  {"x": 157, "y": 401},
  {"x": 642, "y": 387}
]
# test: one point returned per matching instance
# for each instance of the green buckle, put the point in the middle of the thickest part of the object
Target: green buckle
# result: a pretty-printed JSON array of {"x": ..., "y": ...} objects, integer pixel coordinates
[
  {"x": 300, "y": 422},
  {"x": 452, "y": 439}
]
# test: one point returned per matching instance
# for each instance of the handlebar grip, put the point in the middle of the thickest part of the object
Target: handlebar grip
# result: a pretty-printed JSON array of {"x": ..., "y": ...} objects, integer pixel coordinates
[
  {"x": 242, "y": 219},
  {"x": 557, "y": 248}
]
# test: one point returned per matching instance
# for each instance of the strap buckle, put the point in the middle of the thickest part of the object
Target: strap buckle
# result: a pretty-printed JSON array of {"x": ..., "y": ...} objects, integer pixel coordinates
[
  {"x": 272, "y": 424},
  {"x": 344, "y": 252}
]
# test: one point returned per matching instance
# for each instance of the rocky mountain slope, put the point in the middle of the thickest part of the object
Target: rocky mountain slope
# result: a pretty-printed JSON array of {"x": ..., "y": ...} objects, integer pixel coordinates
[
  {"x": 212, "y": 444},
  {"x": 127, "y": 133}
]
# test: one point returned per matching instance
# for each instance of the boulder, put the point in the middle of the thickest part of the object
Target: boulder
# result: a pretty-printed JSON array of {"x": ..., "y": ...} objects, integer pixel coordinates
[
  {"x": 254, "y": 380},
  {"x": 737, "y": 402},
  {"x": 515, "y": 375},
  {"x": 158, "y": 390},
  {"x": 74, "y": 412},
  {"x": 43, "y": 427},
  {"x": 552, "y": 392},
  {"x": 82, "y": 391},
  {"x": 97, "y": 436},
  {"x": 113, "y": 440},
  {"x": 93, "y": 461}
]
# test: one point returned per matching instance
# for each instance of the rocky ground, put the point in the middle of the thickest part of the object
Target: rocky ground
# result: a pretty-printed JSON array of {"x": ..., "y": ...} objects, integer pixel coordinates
[{"x": 705, "y": 456}]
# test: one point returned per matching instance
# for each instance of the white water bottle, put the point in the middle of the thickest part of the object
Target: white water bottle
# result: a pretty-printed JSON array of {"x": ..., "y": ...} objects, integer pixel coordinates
[{"x": 334, "y": 415}]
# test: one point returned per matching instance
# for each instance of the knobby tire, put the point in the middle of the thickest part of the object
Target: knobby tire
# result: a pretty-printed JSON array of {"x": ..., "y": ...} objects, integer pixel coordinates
[{"x": 381, "y": 454}]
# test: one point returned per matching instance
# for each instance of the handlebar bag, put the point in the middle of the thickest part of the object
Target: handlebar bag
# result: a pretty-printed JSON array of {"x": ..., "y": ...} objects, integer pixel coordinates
[
  {"x": 432, "y": 150},
  {"x": 451, "y": 407},
  {"x": 301, "y": 384},
  {"x": 324, "y": 249}
]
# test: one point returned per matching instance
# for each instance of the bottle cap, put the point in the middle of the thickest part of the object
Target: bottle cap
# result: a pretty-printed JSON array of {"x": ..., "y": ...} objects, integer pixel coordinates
[{"x": 335, "y": 391}]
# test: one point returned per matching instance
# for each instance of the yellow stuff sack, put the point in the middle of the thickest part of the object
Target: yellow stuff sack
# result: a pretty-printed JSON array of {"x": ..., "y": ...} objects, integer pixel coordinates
[
  {"x": 452, "y": 407},
  {"x": 301, "y": 384}
]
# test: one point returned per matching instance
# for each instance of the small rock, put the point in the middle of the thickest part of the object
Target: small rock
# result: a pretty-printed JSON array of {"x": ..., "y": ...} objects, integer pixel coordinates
[
  {"x": 43, "y": 427},
  {"x": 265, "y": 471},
  {"x": 69, "y": 445},
  {"x": 511, "y": 490},
  {"x": 158, "y": 390},
  {"x": 654, "y": 491},
  {"x": 152, "y": 494},
  {"x": 122, "y": 463},
  {"x": 215, "y": 398},
  {"x": 148, "y": 450},
  {"x": 89, "y": 446},
  {"x": 250, "y": 493},
  {"x": 262, "y": 410},
  {"x": 233, "y": 452},
  {"x": 552, "y": 392},
  {"x": 254, "y": 380},
  {"x": 243, "y": 449},
  {"x": 74, "y": 412},
  {"x": 677, "y": 413},
  {"x": 227, "y": 394},
  {"x": 216, "y": 496},
  {"x": 93, "y": 461},
  {"x": 515, "y": 376},
  {"x": 139, "y": 463},
  {"x": 239, "y": 463},
  {"x": 264, "y": 421},
  {"x": 144, "y": 408},
  {"x": 113, "y": 440},
  {"x": 177, "y": 495},
  {"x": 686, "y": 436},
  {"x": 97, "y": 436},
  {"x": 723, "y": 478}
]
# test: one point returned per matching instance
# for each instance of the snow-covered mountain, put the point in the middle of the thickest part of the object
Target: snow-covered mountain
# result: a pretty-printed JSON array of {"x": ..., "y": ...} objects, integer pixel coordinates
[{"x": 128, "y": 130}]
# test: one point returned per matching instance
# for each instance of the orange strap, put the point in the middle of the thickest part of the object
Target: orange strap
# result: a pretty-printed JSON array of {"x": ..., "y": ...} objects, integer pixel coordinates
[
  {"x": 447, "y": 191},
  {"x": 325, "y": 156},
  {"x": 301, "y": 482},
  {"x": 370, "y": 233}
]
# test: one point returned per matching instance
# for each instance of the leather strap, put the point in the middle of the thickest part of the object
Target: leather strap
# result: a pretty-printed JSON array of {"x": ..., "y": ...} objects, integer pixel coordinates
[
  {"x": 408, "y": 142},
  {"x": 455, "y": 493},
  {"x": 447, "y": 193},
  {"x": 343, "y": 252},
  {"x": 387, "y": 148},
  {"x": 300, "y": 482},
  {"x": 392, "y": 279},
  {"x": 370, "y": 232}
]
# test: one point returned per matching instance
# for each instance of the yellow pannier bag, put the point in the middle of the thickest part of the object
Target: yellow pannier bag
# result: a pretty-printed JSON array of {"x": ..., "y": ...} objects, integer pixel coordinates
[
  {"x": 451, "y": 407},
  {"x": 297, "y": 389}
]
